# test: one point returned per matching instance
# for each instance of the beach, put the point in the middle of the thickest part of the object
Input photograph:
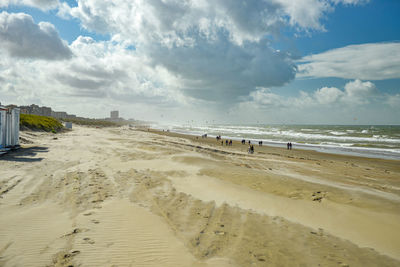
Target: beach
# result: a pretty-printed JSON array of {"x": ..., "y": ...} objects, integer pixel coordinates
[{"x": 132, "y": 196}]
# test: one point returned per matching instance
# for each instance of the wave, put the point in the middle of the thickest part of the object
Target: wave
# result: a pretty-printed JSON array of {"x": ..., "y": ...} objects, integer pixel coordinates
[
  {"x": 378, "y": 140},
  {"x": 287, "y": 135}
]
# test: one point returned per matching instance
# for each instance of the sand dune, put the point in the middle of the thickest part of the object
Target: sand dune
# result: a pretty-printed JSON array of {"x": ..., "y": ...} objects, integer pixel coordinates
[{"x": 130, "y": 197}]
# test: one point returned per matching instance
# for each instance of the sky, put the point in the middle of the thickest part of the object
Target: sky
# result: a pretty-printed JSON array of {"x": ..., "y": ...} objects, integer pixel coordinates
[{"x": 203, "y": 61}]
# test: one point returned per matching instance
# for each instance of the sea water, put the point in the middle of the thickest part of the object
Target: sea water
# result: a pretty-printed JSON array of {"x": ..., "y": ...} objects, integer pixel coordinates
[{"x": 378, "y": 141}]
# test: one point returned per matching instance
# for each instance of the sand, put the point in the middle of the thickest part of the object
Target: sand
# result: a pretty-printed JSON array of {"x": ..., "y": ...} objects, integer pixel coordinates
[{"x": 136, "y": 197}]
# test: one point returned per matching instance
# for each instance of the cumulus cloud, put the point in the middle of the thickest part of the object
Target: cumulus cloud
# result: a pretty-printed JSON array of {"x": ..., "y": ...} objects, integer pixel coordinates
[
  {"x": 22, "y": 38},
  {"x": 306, "y": 14},
  {"x": 243, "y": 20},
  {"x": 213, "y": 48},
  {"x": 328, "y": 95},
  {"x": 217, "y": 49},
  {"x": 376, "y": 61},
  {"x": 265, "y": 97},
  {"x": 102, "y": 70},
  {"x": 358, "y": 88},
  {"x": 220, "y": 71},
  {"x": 355, "y": 93},
  {"x": 41, "y": 4}
]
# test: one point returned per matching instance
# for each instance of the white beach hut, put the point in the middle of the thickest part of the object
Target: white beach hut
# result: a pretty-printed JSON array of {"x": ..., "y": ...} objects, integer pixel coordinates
[
  {"x": 3, "y": 114},
  {"x": 9, "y": 128},
  {"x": 68, "y": 125},
  {"x": 14, "y": 127}
]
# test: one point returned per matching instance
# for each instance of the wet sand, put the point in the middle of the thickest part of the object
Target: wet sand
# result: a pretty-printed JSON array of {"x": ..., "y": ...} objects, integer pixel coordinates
[{"x": 134, "y": 197}]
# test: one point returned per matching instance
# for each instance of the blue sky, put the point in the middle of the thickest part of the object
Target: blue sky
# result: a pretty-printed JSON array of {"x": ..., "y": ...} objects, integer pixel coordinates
[
  {"x": 69, "y": 29},
  {"x": 246, "y": 58},
  {"x": 374, "y": 22}
]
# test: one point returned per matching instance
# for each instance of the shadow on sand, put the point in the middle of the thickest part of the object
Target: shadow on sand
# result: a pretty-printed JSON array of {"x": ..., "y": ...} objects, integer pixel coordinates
[{"x": 24, "y": 154}]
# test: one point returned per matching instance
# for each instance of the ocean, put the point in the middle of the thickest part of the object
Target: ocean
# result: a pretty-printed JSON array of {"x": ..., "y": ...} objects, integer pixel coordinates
[{"x": 376, "y": 141}]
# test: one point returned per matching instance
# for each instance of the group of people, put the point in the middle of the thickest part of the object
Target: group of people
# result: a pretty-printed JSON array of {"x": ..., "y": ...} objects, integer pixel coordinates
[
  {"x": 251, "y": 147},
  {"x": 227, "y": 142},
  {"x": 289, "y": 146}
]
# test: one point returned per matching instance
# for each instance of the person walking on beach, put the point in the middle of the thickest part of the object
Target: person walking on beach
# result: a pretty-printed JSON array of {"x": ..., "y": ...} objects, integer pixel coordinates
[
  {"x": 251, "y": 149},
  {"x": 288, "y": 145}
]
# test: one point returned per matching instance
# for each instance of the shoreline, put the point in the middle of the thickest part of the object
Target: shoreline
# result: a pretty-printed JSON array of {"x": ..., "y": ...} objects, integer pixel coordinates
[
  {"x": 367, "y": 152},
  {"x": 266, "y": 147}
]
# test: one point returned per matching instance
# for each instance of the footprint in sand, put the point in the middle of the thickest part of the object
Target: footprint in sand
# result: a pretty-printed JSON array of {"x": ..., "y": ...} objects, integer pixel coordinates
[
  {"x": 75, "y": 231},
  {"x": 95, "y": 221},
  {"x": 72, "y": 254},
  {"x": 318, "y": 196}
]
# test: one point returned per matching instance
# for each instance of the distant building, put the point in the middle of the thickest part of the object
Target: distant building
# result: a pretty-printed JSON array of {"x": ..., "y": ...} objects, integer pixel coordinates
[
  {"x": 11, "y": 106},
  {"x": 59, "y": 114},
  {"x": 25, "y": 109},
  {"x": 36, "y": 110},
  {"x": 71, "y": 116},
  {"x": 46, "y": 111},
  {"x": 114, "y": 114}
]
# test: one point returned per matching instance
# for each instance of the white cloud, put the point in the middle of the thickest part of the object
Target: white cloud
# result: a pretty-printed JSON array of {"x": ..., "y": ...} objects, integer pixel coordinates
[
  {"x": 355, "y": 93},
  {"x": 265, "y": 97},
  {"x": 41, "y": 4},
  {"x": 350, "y": 2},
  {"x": 218, "y": 49},
  {"x": 21, "y": 37},
  {"x": 207, "y": 50},
  {"x": 358, "y": 88},
  {"x": 328, "y": 95},
  {"x": 213, "y": 48},
  {"x": 173, "y": 19},
  {"x": 377, "y": 61},
  {"x": 104, "y": 71},
  {"x": 306, "y": 14}
]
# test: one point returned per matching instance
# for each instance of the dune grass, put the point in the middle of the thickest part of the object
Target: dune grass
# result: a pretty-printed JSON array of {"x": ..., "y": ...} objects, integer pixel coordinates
[{"x": 35, "y": 122}]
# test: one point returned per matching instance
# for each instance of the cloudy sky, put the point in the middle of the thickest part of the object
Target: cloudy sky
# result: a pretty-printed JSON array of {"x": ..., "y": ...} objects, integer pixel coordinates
[{"x": 230, "y": 61}]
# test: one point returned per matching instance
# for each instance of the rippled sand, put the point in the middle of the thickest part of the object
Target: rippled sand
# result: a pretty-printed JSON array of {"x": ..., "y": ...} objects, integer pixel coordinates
[{"x": 129, "y": 197}]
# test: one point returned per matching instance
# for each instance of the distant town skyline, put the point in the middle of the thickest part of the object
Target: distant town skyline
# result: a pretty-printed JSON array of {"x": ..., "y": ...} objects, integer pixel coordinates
[
  {"x": 265, "y": 61},
  {"x": 34, "y": 109}
]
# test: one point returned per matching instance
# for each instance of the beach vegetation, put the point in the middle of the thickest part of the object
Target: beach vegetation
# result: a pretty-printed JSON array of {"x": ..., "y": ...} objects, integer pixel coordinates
[{"x": 39, "y": 123}]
